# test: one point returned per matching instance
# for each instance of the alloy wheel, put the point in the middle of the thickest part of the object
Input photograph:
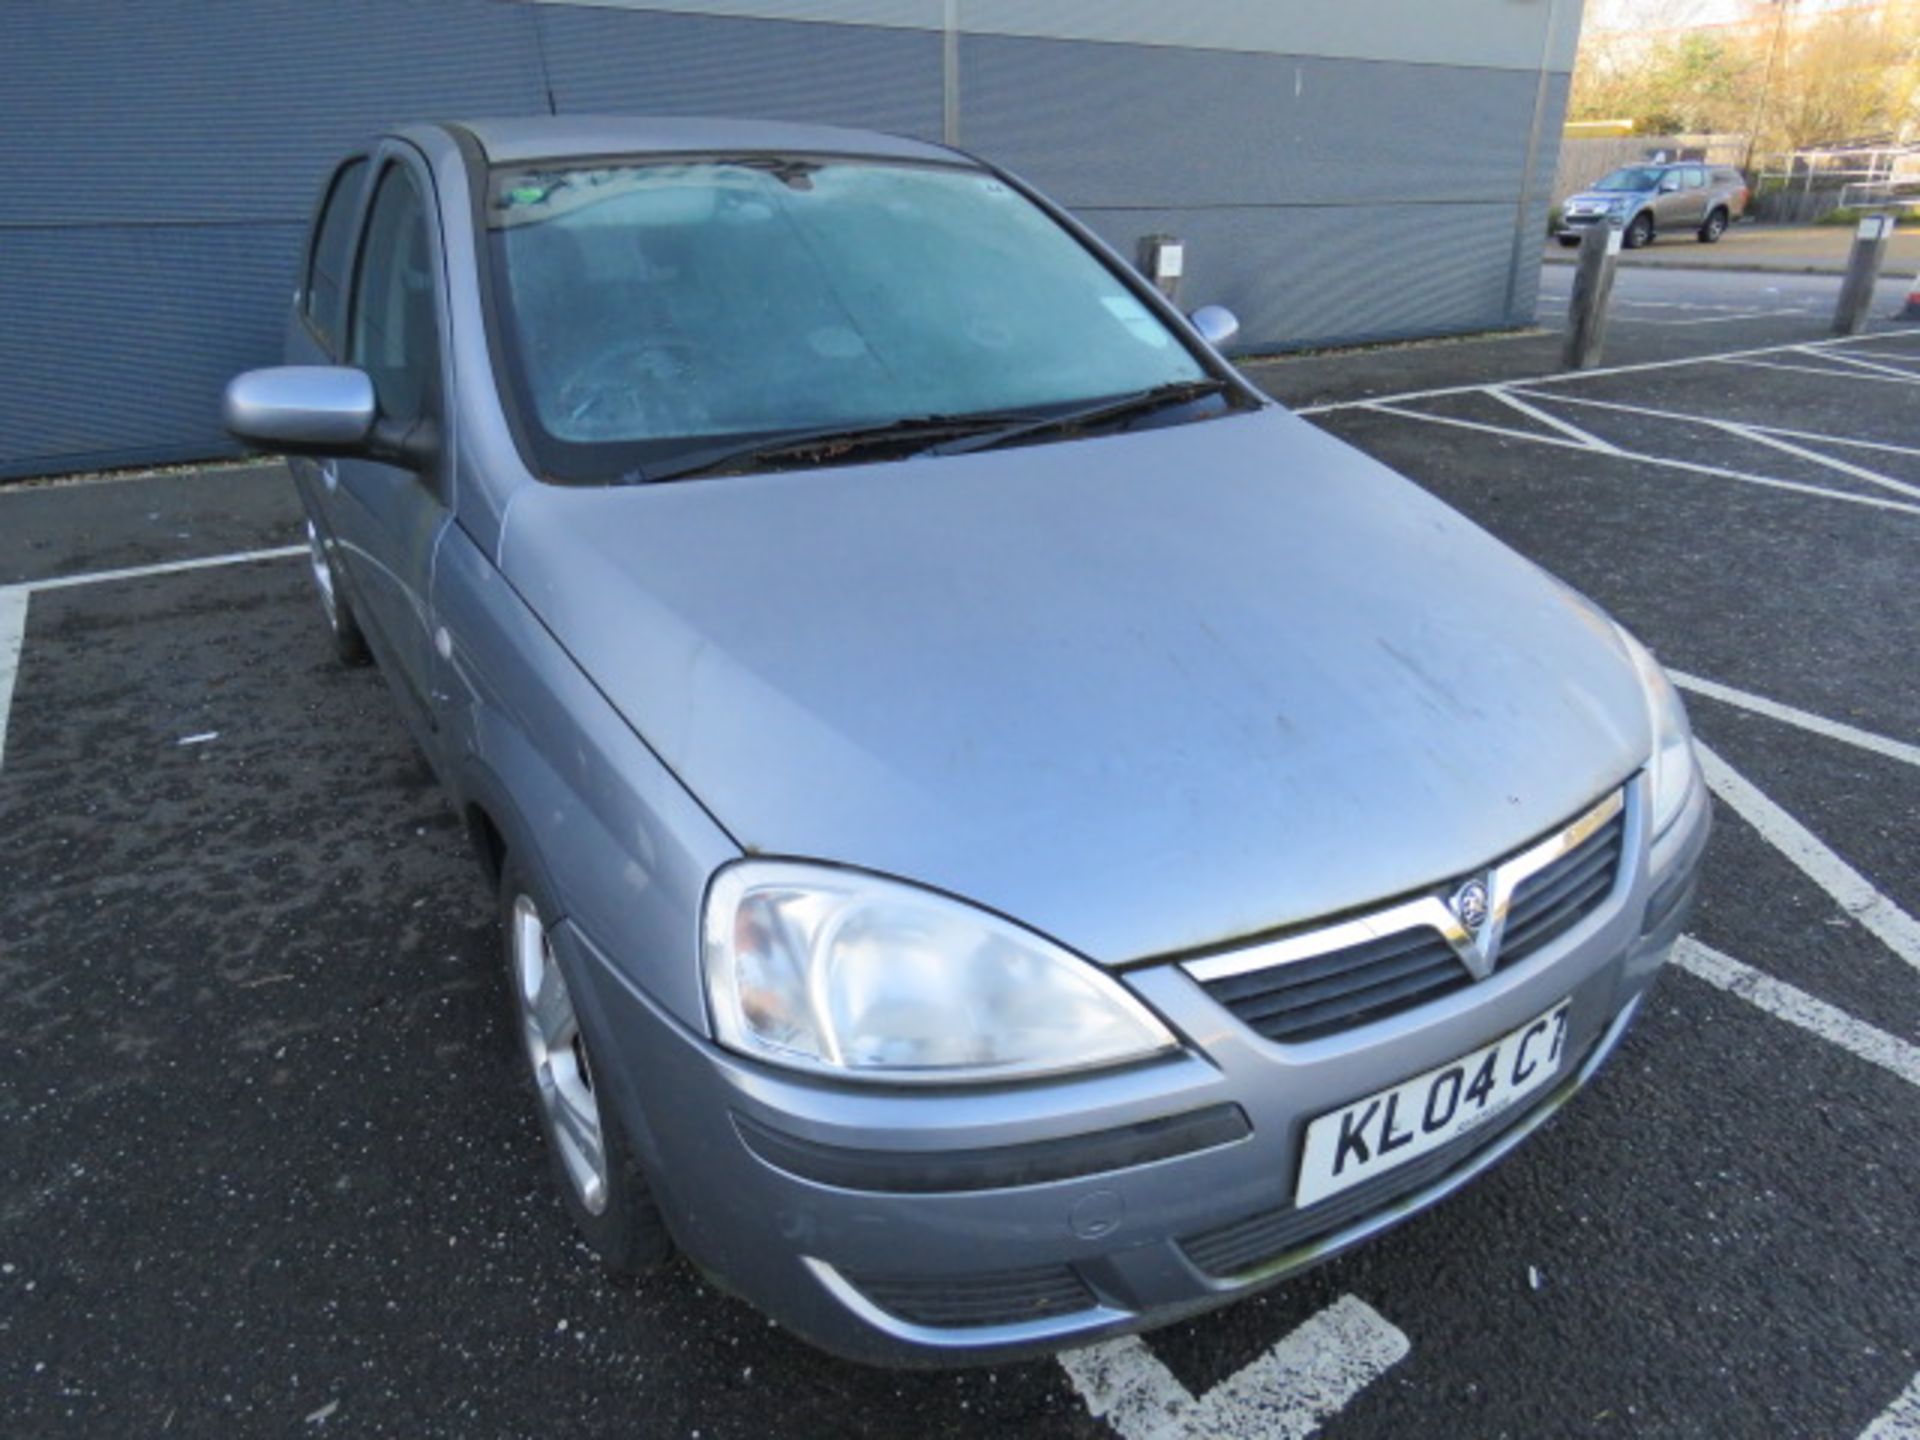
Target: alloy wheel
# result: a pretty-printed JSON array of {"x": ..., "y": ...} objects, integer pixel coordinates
[{"x": 557, "y": 1051}]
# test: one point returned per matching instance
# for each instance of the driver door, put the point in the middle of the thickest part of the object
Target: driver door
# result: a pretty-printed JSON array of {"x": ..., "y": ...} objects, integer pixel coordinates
[
  {"x": 1670, "y": 201},
  {"x": 387, "y": 519}
]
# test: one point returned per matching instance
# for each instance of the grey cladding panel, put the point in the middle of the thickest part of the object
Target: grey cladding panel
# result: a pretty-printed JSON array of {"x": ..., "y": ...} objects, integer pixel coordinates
[
  {"x": 1135, "y": 125},
  {"x": 1313, "y": 275},
  {"x": 1526, "y": 293},
  {"x": 632, "y": 62},
  {"x": 176, "y": 109},
  {"x": 119, "y": 339}
]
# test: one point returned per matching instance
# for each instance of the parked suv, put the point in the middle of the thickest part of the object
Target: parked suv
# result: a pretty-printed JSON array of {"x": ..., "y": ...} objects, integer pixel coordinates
[{"x": 1643, "y": 201}]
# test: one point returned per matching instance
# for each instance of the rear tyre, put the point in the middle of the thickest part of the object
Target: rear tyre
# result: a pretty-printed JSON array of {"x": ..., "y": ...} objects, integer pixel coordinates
[
  {"x": 1639, "y": 233},
  {"x": 349, "y": 643},
  {"x": 1715, "y": 227},
  {"x": 600, "y": 1185},
  {"x": 1568, "y": 240}
]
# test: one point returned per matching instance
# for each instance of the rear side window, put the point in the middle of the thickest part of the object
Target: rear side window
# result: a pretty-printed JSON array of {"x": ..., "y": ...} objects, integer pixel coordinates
[
  {"x": 394, "y": 336},
  {"x": 1696, "y": 177},
  {"x": 1724, "y": 176},
  {"x": 327, "y": 262}
]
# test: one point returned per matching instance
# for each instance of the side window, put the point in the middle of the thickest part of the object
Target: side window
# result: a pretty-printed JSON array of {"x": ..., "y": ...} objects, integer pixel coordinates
[
  {"x": 327, "y": 262},
  {"x": 393, "y": 335},
  {"x": 1696, "y": 177}
]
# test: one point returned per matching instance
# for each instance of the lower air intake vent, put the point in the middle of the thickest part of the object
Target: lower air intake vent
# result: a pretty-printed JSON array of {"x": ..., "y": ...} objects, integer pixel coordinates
[{"x": 1004, "y": 1297}]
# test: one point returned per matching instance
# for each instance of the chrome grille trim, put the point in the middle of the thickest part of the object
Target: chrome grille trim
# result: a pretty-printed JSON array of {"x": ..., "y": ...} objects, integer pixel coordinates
[{"x": 1429, "y": 911}]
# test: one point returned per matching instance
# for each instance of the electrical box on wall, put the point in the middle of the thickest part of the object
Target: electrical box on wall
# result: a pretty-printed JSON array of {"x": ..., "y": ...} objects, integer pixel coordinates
[{"x": 1163, "y": 260}]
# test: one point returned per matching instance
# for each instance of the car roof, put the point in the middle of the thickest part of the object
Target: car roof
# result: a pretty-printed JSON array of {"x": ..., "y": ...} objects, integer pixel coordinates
[{"x": 516, "y": 139}]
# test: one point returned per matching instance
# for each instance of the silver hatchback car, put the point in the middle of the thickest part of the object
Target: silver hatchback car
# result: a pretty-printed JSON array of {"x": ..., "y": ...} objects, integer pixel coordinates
[{"x": 1003, "y": 834}]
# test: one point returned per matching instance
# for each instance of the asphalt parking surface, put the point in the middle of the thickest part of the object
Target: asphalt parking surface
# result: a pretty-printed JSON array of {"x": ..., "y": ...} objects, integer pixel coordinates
[{"x": 268, "y": 1168}]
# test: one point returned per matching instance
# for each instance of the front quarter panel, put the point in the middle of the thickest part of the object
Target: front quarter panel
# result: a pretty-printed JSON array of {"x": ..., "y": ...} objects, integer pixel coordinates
[{"x": 613, "y": 835}]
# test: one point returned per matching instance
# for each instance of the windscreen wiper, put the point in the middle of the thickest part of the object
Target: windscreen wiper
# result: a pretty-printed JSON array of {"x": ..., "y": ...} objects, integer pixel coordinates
[
  {"x": 1179, "y": 392},
  {"x": 834, "y": 442}
]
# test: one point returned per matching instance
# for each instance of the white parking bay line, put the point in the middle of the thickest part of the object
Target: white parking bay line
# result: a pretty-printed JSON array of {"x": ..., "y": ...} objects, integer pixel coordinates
[
  {"x": 1562, "y": 377},
  {"x": 1691, "y": 467},
  {"x": 165, "y": 567},
  {"x": 1851, "y": 890},
  {"x": 13, "y": 606},
  {"x": 1796, "y": 1007},
  {"x": 1284, "y": 1395},
  {"x": 1810, "y": 370},
  {"x": 1900, "y": 1420},
  {"x": 13, "y": 633},
  {"x": 1804, "y": 719},
  {"x": 1872, "y": 366}
]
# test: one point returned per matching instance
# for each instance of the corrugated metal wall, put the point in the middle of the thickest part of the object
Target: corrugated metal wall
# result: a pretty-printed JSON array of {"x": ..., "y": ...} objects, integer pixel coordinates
[{"x": 162, "y": 157}]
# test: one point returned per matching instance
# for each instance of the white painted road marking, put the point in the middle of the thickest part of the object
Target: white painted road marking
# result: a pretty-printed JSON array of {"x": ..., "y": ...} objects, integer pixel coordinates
[
  {"x": 1562, "y": 377},
  {"x": 168, "y": 567},
  {"x": 1796, "y": 1007},
  {"x": 1851, "y": 890},
  {"x": 13, "y": 633},
  {"x": 1562, "y": 398},
  {"x": 1872, "y": 366},
  {"x": 1552, "y": 422},
  {"x": 1284, "y": 1395},
  {"x": 1900, "y": 1420},
  {"x": 1693, "y": 467},
  {"x": 1811, "y": 370},
  {"x": 1804, "y": 719},
  {"x": 13, "y": 606}
]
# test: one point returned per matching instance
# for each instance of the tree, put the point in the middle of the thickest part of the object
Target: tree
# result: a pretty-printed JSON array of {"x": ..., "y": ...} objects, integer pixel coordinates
[
  {"x": 1846, "y": 75},
  {"x": 1840, "y": 73}
]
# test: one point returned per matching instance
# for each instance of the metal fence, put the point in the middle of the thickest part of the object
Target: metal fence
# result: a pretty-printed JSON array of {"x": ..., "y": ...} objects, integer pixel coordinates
[{"x": 1805, "y": 185}]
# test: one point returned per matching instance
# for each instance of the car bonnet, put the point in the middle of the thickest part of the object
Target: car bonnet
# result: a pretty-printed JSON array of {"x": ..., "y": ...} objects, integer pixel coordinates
[{"x": 1142, "y": 692}]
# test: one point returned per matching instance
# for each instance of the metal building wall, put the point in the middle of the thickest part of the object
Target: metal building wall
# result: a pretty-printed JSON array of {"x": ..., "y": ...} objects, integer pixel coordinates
[{"x": 1341, "y": 172}]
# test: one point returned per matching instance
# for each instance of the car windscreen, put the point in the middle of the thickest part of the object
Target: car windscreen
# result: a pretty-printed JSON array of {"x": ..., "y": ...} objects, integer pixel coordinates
[
  {"x": 1631, "y": 178},
  {"x": 651, "y": 309}
]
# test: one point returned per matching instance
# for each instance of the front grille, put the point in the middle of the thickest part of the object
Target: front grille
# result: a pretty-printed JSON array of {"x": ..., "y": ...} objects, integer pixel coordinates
[
  {"x": 1005, "y": 1297},
  {"x": 1552, "y": 901},
  {"x": 1232, "y": 1250},
  {"x": 1304, "y": 999}
]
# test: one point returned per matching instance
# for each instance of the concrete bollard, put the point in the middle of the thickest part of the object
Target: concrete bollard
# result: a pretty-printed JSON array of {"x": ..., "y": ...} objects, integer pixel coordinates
[
  {"x": 1592, "y": 287},
  {"x": 1863, "y": 270}
]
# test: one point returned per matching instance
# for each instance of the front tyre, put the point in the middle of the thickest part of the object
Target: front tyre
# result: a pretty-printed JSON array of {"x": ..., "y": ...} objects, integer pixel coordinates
[
  {"x": 1639, "y": 233},
  {"x": 1715, "y": 227},
  {"x": 599, "y": 1183}
]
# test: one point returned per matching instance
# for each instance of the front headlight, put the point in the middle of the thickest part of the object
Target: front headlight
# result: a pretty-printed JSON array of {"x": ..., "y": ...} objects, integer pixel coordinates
[
  {"x": 1672, "y": 769},
  {"x": 835, "y": 971}
]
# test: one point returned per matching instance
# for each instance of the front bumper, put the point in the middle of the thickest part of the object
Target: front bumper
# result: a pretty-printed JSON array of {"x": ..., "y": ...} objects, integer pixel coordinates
[
  {"x": 975, "y": 1225},
  {"x": 1574, "y": 226}
]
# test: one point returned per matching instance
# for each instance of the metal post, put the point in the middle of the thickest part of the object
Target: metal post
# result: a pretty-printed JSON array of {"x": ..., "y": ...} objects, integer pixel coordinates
[
  {"x": 1863, "y": 269},
  {"x": 1592, "y": 287}
]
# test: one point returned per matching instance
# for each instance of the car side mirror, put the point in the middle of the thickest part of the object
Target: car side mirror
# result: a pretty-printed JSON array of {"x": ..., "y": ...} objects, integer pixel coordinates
[
  {"x": 1217, "y": 324},
  {"x": 302, "y": 409}
]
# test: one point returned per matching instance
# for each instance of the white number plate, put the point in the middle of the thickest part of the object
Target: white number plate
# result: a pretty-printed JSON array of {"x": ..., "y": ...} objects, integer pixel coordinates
[{"x": 1372, "y": 1136}]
